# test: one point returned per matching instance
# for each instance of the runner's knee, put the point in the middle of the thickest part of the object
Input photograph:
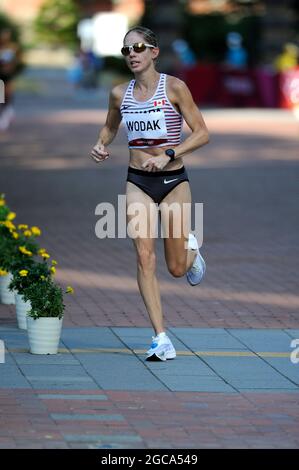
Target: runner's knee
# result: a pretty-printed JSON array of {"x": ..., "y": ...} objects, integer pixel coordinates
[
  {"x": 177, "y": 269},
  {"x": 146, "y": 259}
]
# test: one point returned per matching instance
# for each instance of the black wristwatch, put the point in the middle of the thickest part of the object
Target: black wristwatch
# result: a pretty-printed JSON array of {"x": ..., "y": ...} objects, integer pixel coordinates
[{"x": 170, "y": 153}]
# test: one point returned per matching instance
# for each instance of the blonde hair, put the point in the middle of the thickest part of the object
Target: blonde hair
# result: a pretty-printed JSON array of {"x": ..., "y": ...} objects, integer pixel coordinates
[{"x": 148, "y": 35}]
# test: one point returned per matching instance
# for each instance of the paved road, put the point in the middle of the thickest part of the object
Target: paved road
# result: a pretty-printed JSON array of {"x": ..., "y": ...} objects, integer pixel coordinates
[{"x": 233, "y": 383}]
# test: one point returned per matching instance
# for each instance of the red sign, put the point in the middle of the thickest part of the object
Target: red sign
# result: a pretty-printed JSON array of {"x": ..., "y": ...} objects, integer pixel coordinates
[{"x": 289, "y": 87}]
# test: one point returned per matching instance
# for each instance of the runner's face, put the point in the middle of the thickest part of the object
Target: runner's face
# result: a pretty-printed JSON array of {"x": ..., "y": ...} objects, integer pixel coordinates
[{"x": 139, "y": 61}]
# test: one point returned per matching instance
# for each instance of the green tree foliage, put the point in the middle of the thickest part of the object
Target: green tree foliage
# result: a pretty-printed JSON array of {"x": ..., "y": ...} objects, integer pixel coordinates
[
  {"x": 56, "y": 23},
  {"x": 206, "y": 34},
  {"x": 7, "y": 23}
]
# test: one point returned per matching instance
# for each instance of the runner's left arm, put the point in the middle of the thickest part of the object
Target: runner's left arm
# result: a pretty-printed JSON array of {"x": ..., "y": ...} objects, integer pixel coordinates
[{"x": 180, "y": 96}]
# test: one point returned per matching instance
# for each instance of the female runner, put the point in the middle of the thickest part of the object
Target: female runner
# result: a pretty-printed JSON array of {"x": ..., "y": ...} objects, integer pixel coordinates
[{"x": 152, "y": 107}]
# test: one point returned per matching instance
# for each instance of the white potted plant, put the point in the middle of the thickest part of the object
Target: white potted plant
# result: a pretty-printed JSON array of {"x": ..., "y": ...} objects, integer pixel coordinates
[
  {"x": 25, "y": 273},
  {"x": 17, "y": 244},
  {"x": 44, "y": 320},
  {"x": 24, "y": 269}
]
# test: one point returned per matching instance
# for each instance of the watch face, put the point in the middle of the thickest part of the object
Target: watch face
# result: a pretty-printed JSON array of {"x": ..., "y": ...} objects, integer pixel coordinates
[{"x": 170, "y": 152}]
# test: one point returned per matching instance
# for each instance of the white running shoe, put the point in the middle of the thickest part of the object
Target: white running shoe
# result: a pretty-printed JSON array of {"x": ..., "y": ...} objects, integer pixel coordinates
[
  {"x": 198, "y": 268},
  {"x": 161, "y": 349}
]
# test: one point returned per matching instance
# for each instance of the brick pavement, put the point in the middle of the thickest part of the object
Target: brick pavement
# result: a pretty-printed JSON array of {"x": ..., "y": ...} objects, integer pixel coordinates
[
  {"x": 130, "y": 419},
  {"x": 250, "y": 220},
  {"x": 247, "y": 179},
  {"x": 233, "y": 388}
]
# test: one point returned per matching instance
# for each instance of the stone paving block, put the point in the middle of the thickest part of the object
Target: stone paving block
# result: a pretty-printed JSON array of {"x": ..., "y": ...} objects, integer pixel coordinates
[
  {"x": 285, "y": 367},
  {"x": 266, "y": 391},
  {"x": 69, "y": 396},
  {"x": 205, "y": 340},
  {"x": 86, "y": 417},
  {"x": 75, "y": 338},
  {"x": 181, "y": 366},
  {"x": 112, "y": 446},
  {"x": 8, "y": 359},
  {"x": 241, "y": 366},
  {"x": 254, "y": 371},
  {"x": 66, "y": 384},
  {"x": 196, "y": 384},
  {"x": 113, "y": 438},
  {"x": 293, "y": 333},
  {"x": 117, "y": 372},
  {"x": 15, "y": 339},
  {"x": 37, "y": 371},
  {"x": 7, "y": 328},
  {"x": 47, "y": 359},
  {"x": 143, "y": 341},
  {"x": 263, "y": 340},
  {"x": 11, "y": 377},
  {"x": 57, "y": 376},
  {"x": 270, "y": 384}
]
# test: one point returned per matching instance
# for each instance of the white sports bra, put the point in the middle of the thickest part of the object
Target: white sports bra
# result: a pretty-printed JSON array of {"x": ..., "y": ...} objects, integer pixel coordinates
[{"x": 151, "y": 123}]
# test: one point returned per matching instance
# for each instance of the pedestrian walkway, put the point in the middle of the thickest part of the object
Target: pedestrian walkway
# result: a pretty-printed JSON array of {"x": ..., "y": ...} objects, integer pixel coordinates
[
  {"x": 233, "y": 383},
  {"x": 208, "y": 360},
  {"x": 226, "y": 388}
]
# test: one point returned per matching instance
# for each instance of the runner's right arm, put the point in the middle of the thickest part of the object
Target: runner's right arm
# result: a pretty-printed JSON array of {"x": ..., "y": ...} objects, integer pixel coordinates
[{"x": 111, "y": 126}]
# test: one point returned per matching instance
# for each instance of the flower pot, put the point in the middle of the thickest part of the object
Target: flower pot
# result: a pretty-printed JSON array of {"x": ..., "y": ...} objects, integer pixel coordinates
[
  {"x": 44, "y": 334},
  {"x": 22, "y": 308},
  {"x": 6, "y": 296}
]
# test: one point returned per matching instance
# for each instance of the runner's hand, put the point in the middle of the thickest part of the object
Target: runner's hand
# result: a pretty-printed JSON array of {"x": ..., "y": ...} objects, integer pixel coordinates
[
  {"x": 155, "y": 163},
  {"x": 98, "y": 153}
]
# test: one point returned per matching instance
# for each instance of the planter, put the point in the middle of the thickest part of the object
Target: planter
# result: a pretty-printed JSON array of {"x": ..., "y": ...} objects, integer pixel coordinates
[
  {"x": 22, "y": 308},
  {"x": 6, "y": 296},
  {"x": 44, "y": 334}
]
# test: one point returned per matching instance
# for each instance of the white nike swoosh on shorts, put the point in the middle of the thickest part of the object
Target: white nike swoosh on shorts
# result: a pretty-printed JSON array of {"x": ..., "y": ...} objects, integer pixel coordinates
[{"x": 169, "y": 181}]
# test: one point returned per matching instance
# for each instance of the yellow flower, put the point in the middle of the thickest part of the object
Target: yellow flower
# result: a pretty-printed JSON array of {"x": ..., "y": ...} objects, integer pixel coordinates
[
  {"x": 69, "y": 290},
  {"x": 27, "y": 233},
  {"x": 45, "y": 255},
  {"x": 22, "y": 226},
  {"x": 42, "y": 277},
  {"x": 54, "y": 262},
  {"x": 41, "y": 251},
  {"x": 36, "y": 231},
  {"x": 15, "y": 235},
  {"x": 24, "y": 250},
  {"x": 8, "y": 224},
  {"x": 2, "y": 202},
  {"x": 23, "y": 272},
  {"x": 3, "y": 272},
  {"x": 11, "y": 216},
  {"x": 53, "y": 270}
]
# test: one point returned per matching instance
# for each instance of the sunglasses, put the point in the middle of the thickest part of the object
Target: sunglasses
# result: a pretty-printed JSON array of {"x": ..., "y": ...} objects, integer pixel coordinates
[{"x": 137, "y": 47}]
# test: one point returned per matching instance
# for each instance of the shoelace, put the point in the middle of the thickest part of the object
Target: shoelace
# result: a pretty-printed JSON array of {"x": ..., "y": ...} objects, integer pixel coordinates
[
  {"x": 154, "y": 342},
  {"x": 196, "y": 268}
]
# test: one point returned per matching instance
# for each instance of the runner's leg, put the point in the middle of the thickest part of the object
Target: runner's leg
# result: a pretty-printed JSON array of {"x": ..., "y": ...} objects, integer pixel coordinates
[
  {"x": 146, "y": 258},
  {"x": 178, "y": 258}
]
